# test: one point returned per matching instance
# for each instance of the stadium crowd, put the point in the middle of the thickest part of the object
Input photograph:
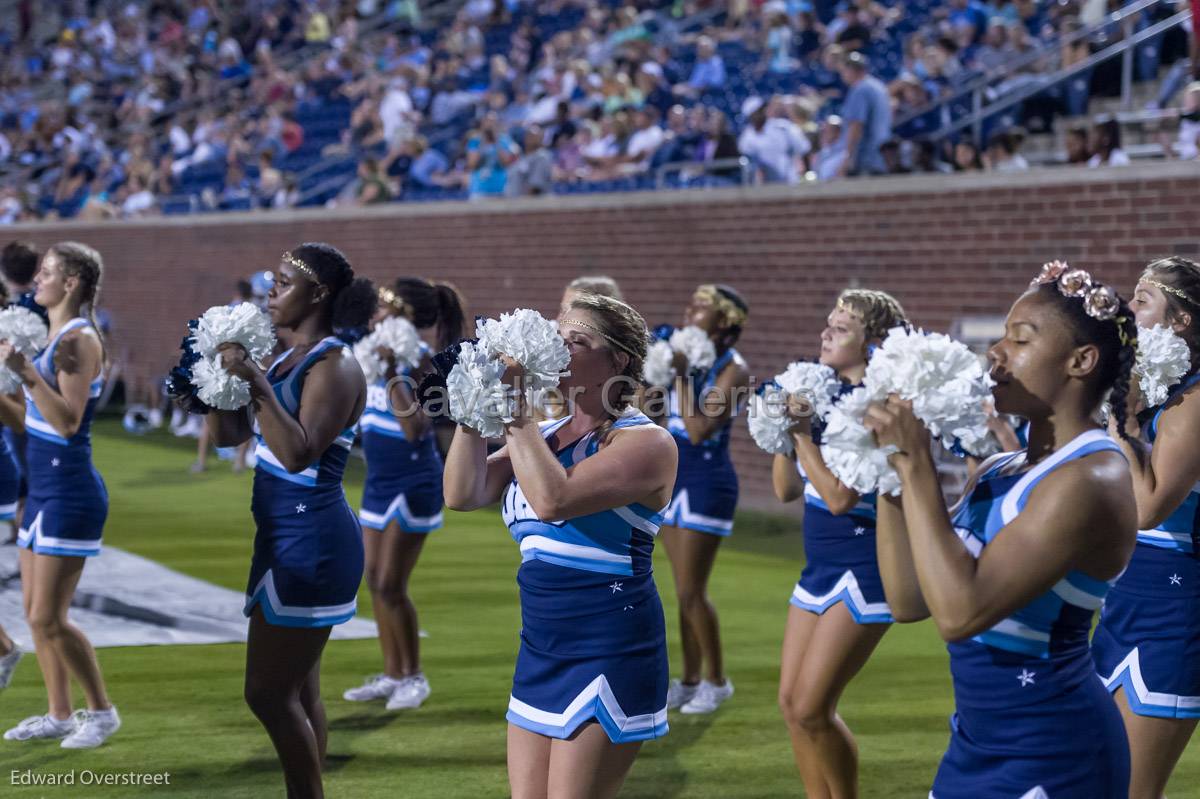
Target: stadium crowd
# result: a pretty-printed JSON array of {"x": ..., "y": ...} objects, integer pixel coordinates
[{"x": 126, "y": 109}]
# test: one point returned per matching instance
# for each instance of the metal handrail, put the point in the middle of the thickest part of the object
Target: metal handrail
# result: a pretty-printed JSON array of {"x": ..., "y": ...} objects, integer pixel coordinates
[
  {"x": 1013, "y": 66},
  {"x": 742, "y": 163},
  {"x": 1124, "y": 47}
]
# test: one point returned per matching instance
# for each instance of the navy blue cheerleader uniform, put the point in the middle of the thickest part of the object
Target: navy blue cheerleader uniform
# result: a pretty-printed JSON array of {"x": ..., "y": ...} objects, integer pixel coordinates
[
  {"x": 404, "y": 478},
  {"x": 67, "y": 503},
  {"x": 1148, "y": 638},
  {"x": 1032, "y": 719},
  {"x": 10, "y": 481},
  {"x": 593, "y": 639},
  {"x": 706, "y": 486},
  {"x": 308, "y": 552}
]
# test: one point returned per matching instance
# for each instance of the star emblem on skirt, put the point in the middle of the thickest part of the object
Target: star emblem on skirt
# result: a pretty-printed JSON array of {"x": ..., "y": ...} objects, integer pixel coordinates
[
  {"x": 1175, "y": 579},
  {"x": 301, "y": 508},
  {"x": 860, "y": 531},
  {"x": 1026, "y": 677},
  {"x": 55, "y": 462},
  {"x": 616, "y": 587}
]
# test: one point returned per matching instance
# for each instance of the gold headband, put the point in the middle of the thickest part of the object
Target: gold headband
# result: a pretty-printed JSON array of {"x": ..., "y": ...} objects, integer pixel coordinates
[
  {"x": 601, "y": 334},
  {"x": 734, "y": 315},
  {"x": 302, "y": 268},
  {"x": 1163, "y": 287},
  {"x": 842, "y": 305},
  {"x": 394, "y": 300}
]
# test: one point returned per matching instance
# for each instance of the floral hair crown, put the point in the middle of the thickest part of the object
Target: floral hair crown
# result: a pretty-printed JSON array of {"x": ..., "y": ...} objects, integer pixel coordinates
[{"x": 1099, "y": 301}]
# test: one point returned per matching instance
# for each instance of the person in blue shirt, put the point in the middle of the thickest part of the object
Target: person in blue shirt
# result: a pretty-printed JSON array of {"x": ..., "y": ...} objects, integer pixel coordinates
[
  {"x": 708, "y": 72},
  {"x": 1014, "y": 572},
  {"x": 866, "y": 117},
  {"x": 18, "y": 263},
  {"x": 490, "y": 152}
]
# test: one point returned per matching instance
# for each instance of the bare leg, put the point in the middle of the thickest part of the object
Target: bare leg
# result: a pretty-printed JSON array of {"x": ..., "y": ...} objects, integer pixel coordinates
[
  {"x": 1155, "y": 746},
  {"x": 528, "y": 763},
  {"x": 398, "y": 558},
  {"x": 54, "y": 671},
  {"x": 279, "y": 663},
  {"x": 589, "y": 765},
  {"x": 837, "y": 649},
  {"x": 796, "y": 636},
  {"x": 310, "y": 700},
  {"x": 373, "y": 547},
  {"x": 692, "y": 556},
  {"x": 54, "y": 581}
]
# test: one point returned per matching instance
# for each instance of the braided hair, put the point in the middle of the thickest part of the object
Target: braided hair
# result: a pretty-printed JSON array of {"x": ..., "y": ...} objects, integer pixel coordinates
[
  {"x": 353, "y": 297},
  {"x": 85, "y": 264},
  {"x": 625, "y": 331},
  {"x": 434, "y": 304},
  {"x": 879, "y": 311},
  {"x": 1116, "y": 340}
]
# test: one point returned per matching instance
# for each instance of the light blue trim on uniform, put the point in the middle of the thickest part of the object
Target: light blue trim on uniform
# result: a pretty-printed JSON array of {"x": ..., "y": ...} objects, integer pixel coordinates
[
  {"x": 282, "y": 615},
  {"x": 1088, "y": 443},
  {"x": 845, "y": 590},
  {"x": 679, "y": 514},
  {"x": 8, "y": 512},
  {"x": 1143, "y": 701},
  {"x": 596, "y": 701},
  {"x": 400, "y": 511},
  {"x": 813, "y": 497},
  {"x": 32, "y": 538},
  {"x": 35, "y": 423}
]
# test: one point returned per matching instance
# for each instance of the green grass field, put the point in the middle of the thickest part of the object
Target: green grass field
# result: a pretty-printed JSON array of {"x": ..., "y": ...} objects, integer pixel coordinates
[{"x": 183, "y": 711}]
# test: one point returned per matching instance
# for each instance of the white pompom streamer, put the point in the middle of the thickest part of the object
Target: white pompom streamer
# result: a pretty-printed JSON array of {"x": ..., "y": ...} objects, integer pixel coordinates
[
  {"x": 814, "y": 382},
  {"x": 28, "y": 334},
  {"x": 244, "y": 324},
  {"x": 477, "y": 397},
  {"x": 945, "y": 381},
  {"x": 849, "y": 449},
  {"x": 531, "y": 340},
  {"x": 696, "y": 346},
  {"x": 657, "y": 370},
  {"x": 769, "y": 421},
  {"x": 394, "y": 334},
  {"x": 216, "y": 387},
  {"x": 1162, "y": 359}
]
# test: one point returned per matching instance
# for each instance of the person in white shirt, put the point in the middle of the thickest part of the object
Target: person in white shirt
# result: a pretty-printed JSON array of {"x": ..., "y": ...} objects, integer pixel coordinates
[
  {"x": 1187, "y": 142},
  {"x": 395, "y": 110},
  {"x": 1106, "y": 145},
  {"x": 774, "y": 145},
  {"x": 646, "y": 140}
]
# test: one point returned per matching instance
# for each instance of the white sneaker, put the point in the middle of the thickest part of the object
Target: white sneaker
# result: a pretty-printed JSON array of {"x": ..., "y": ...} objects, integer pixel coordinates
[
  {"x": 410, "y": 693},
  {"x": 92, "y": 728},
  {"x": 8, "y": 664},
  {"x": 38, "y": 727},
  {"x": 679, "y": 694},
  {"x": 377, "y": 686},
  {"x": 708, "y": 697}
]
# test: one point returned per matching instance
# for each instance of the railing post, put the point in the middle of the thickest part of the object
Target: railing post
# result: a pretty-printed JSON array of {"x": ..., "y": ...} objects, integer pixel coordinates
[
  {"x": 1127, "y": 65},
  {"x": 977, "y": 114}
]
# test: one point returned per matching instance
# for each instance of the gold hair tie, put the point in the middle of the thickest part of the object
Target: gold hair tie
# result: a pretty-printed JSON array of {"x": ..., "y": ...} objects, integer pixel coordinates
[
  {"x": 600, "y": 333},
  {"x": 734, "y": 315},
  {"x": 1163, "y": 287},
  {"x": 302, "y": 268},
  {"x": 394, "y": 300}
]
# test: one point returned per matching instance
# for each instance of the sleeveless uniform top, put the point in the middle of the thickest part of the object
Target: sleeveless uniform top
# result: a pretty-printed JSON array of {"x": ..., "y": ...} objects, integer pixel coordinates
[
  {"x": 36, "y": 425},
  {"x": 616, "y": 541},
  {"x": 383, "y": 439},
  {"x": 323, "y": 475},
  {"x": 675, "y": 425},
  {"x": 1041, "y": 650},
  {"x": 1181, "y": 530}
]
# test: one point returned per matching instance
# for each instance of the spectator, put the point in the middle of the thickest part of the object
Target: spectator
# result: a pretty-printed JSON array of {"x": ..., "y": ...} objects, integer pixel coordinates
[
  {"x": 718, "y": 143},
  {"x": 136, "y": 199},
  {"x": 966, "y": 157},
  {"x": 270, "y": 179},
  {"x": 1003, "y": 154},
  {"x": 969, "y": 16},
  {"x": 18, "y": 263},
  {"x": 429, "y": 166},
  {"x": 708, "y": 73},
  {"x": 827, "y": 163},
  {"x": 866, "y": 116},
  {"x": 893, "y": 158},
  {"x": 533, "y": 173},
  {"x": 994, "y": 50},
  {"x": 372, "y": 184},
  {"x": 645, "y": 140},
  {"x": 779, "y": 37},
  {"x": 773, "y": 145},
  {"x": 1187, "y": 141},
  {"x": 1106, "y": 145},
  {"x": 1077, "y": 146},
  {"x": 489, "y": 155}
]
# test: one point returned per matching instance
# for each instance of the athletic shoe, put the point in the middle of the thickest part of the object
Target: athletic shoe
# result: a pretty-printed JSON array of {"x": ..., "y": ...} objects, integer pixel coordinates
[
  {"x": 8, "y": 664},
  {"x": 37, "y": 727},
  {"x": 679, "y": 694},
  {"x": 410, "y": 693},
  {"x": 92, "y": 728},
  {"x": 377, "y": 686},
  {"x": 708, "y": 697}
]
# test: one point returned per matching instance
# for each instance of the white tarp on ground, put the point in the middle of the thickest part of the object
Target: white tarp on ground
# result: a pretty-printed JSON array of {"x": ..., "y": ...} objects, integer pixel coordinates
[{"x": 126, "y": 600}]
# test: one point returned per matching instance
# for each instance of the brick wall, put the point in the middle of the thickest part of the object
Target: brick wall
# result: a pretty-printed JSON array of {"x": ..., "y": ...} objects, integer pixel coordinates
[{"x": 945, "y": 246}]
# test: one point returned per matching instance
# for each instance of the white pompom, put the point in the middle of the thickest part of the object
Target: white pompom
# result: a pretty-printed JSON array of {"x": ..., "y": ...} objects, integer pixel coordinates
[
  {"x": 814, "y": 382},
  {"x": 394, "y": 334},
  {"x": 945, "y": 381},
  {"x": 657, "y": 370},
  {"x": 28, "y": 334},
  {"x": 769, "y": 421},
  {"x": 477, "y": 397},
  {"x": 531, "y": 340},
  {"x": 696, "y": 346},
  {"x": 366, "y": 352},
  {"x": 216, "y": 387},
  {"x": 242, "y": 323},
  {"x": 1162, "y": 359},
  {"x": 849, "y": 449}
]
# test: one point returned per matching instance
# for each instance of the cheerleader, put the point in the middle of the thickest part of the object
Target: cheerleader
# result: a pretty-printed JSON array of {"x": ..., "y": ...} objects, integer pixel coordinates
[
  {"x": 1147, "y": 644},
  {"x": 308, "y": 551},
  {"x": 1013, "y": 573},
  {"x": 18, "y": 264},
  {"x": 582, "y": 497},
  {"x": 67, "y": 504},
  {"x": 699, "y": 415},
  {"x": 591, "y": 284},
  {"x": 838, "y": 611},
  {"x": 9, "y": 660},
  {"x": 402, "y": 497}
]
